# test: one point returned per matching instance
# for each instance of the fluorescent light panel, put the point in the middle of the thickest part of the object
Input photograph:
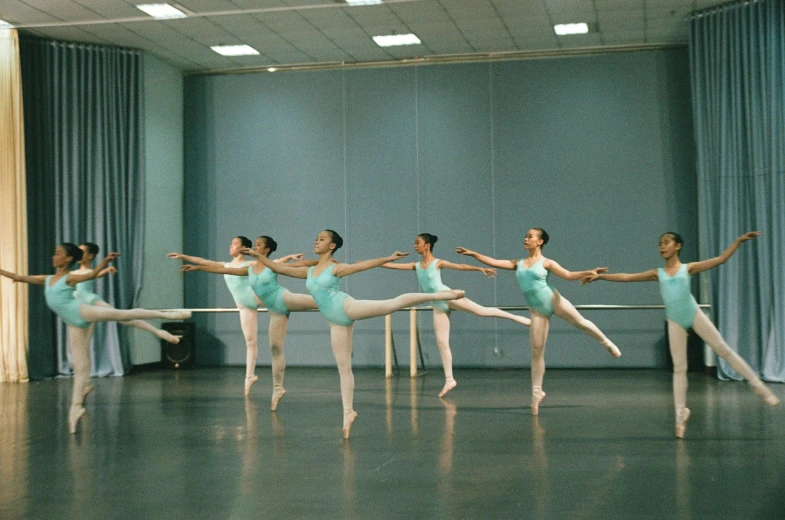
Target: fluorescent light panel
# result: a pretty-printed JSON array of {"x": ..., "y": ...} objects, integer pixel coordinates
[
  {"x": 392, "y": 40},
  {"x": 571, "y": 28},
  {"x": 235, "y": 50},
  {"x": 363, "y": 2},
  {"x": 161, "y": 11}
]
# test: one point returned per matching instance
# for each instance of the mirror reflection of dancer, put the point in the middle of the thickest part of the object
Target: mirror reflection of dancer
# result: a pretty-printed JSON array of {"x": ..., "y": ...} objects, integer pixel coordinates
[
  {"x": 430, "y": 277},
  {"x": 544, "y": 301},
  {"x": 341, "y": 310},
  {"x": 683, "y": 313},
  {"x": 59, "y": 291},
  {"x": 278, "y": 301}
]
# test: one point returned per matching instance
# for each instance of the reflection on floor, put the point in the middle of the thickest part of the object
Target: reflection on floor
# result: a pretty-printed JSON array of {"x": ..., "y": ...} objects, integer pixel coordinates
[{"x": 189, "y": 445}]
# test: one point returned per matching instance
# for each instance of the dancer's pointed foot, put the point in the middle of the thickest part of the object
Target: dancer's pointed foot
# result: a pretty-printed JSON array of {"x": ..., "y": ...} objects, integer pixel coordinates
[
  {"x": 86, "y": 390},
  {"x": 168, "y": 336},
  {"x": 537, "y": 396},
  {"x": 176, "y": 315},
  {"x": 765, "y": 393},
  {"x": 523, "y": 320},
  {"x": 76, "y": 413},
  {"x": 448, "y": 385},
  {"x": 277, "y": 396},
  {"x": 249, "y": 381},
  {"x": 613, "y": 350},
  {"x": 348, "y": 420},
  {"x": 682, "y": 415}
]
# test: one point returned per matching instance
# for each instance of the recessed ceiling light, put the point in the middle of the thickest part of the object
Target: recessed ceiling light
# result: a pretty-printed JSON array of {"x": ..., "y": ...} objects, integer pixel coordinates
[
  {"x": 161, "y": 11},
  {"x": 5, "y": 25},
  {"x": 271, "y": 69},
  {"x": 363, "y": 2},
  {"x": 392, "y": 40},
  {"x": 235, "y": 50},
  {"x": 571, "y": 28}
]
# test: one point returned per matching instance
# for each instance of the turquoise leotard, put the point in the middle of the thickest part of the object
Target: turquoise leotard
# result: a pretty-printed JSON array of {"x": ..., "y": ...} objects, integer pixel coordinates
[
  {"x": 265, "y": 285},
  {"x": 85, "y": 292},
  {"x": 60, "y": 298},
  {"x": 534, "y": 284},
  {"x": 325, "y": 289},
  {"x": 431, "y": 282},
  {"x": 680, "y": 305},
  {"x": 240, "y": 288}
]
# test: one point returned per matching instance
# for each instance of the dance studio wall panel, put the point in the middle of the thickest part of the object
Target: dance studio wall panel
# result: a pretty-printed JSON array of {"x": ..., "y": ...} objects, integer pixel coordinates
[{"x": 597, "y": 150}]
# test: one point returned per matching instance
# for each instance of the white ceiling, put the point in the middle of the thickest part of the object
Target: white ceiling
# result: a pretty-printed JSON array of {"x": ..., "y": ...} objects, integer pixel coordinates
[{"x": 303, "y": 32}]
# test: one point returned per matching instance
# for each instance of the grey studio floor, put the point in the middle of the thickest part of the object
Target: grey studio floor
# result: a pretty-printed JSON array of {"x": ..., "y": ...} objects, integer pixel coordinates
[{"x": 165, "y": 444}]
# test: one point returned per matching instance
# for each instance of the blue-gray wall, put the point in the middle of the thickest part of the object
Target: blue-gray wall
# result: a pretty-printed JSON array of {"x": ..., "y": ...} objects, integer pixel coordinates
[
  {"x": 162, "y": 283},
  {"x": 597, "y": 150}
]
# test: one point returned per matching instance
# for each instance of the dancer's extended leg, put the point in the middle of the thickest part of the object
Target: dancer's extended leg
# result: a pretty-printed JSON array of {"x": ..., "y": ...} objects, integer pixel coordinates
[
  {"x": 363, "y": 309},
  {"x": 566, "y": 311},
  {"x": 538, "y": 334},
  {"x": 465, "y": 304},
  {"x": 143, "y": 325},
  {"x": 277, "y": 334},
  {"x": 249, "y": 326},
  {"x": 79, "y": 341},
  {"x": 441, "y": 328},
  {"x": 703, "y": 326},
  {"x": 298, "y": 302},
  {"x": 677, "y": 337},
  {"x": 341, "y": 340},
  {"x": 91, "y": 313}
]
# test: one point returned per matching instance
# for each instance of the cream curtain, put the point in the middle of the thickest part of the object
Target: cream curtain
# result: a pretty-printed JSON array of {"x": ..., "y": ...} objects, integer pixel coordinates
[{"x": 13, "y": 213}]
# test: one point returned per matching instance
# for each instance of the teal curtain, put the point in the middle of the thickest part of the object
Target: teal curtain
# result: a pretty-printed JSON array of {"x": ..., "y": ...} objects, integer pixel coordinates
[
  {"x": 737, "y": 59},
  {"x": 83, "y": 110}
]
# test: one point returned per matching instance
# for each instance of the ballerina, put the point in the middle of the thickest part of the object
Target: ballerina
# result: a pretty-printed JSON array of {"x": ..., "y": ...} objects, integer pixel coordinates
[
  {"x": 544, "y": 301},
  {"x": 683, "y": 313},
  {"x": 278, "y": 301},
  {"x": 429, "y": 275},
  {"x": 59, "y": 293},
  {"x": 341, "y": 310}
]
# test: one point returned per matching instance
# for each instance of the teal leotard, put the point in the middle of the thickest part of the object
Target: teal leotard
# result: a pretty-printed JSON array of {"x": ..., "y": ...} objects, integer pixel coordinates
[
  {"x": 240, "y": 288},
  {"x": 60, "y": 298},
  {"x": 265, "y": 285},
  {"x": 431, "y": 282},
  {"x": 680, "y": 305},
  {"x": 325, "y": 290},
  {"x": 534, "y": 284},
  {"x": 85, "y": 292}
]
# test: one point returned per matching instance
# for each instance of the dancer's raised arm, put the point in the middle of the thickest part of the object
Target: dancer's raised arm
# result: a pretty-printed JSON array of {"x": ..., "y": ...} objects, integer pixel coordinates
[
  {"x": 487, "y": 260},
  {"x": 341, "y": 270},
  {"x": 554, "y": 267},
  {"x": 444, "y": 264},
  {"x": 277, "y": 267},
  {"x": 411, "y": 266},
  {"x": 35, "y": 279},
  {"x": 705, "y": 265},
  {"x": 645, "y": 276},
  {"x": 103, "y": 264},
  {"x": 193, "y": 259},
  {"x": 217, "y": 269}
]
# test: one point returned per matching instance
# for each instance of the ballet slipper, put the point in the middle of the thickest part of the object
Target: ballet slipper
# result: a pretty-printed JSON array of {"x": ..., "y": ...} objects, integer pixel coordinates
[
  {"x": 613, "y": 350},
  {"x": 249, "y": 381},
  {"x": 537, "y": 396},
  {"x": 448, "y": 386},
  {"x": 764, "y": 392},
  {"x": 682, "y": 416},
  {"x": 168, "y": 336},
  {"x": 277, "y": 396},
  {"x": 348, "y": 421},
  {"x": 76, "y": 413}
]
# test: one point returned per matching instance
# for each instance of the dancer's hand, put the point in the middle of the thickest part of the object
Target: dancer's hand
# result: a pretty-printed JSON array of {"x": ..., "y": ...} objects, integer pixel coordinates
[
  {"x": 490, "y": 273},
  {"x": 112, "y": 256},
  {"x": 464, "y": 251},
  {"x": 589, "y": 278},
  {"x": 176, "y": 256},
  {"x": 189, "y": 267},
  {"x": 598, "y": 270},
  {"x": 748, "y": 236},
  {"x": 298, "y": 256},
  {"x": 110, "y": 270},
  {"x": 397, "y": 255},
  {"x": 249, "y": 252}
]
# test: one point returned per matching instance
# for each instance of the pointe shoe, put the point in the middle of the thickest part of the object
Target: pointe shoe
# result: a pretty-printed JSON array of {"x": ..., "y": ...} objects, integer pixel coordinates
[
  {"x": 347, "y": 427},
  {"x": 76, "y": 413},
  {"x": 458, "y": 293},
  {"x": 613, "y": 350},
  {"x": 765, "y": 393},
  {"x": 277, "y": 396},
  {"x": 681, "y": 422},
  {"x": 168, "y": 337},
  {"x": 537, "y": 396},
  {"x": 448, "y": 387},
  {"x": 249, "y": 381}
]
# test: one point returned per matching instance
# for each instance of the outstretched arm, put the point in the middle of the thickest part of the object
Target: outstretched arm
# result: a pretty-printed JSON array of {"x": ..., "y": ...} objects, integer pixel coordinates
[
  {"x": 490, "y": 273},
  {"x": 193, "y": 259},
  {"x": 74, "y": 279},
  {"x": 487, "y": 260},
  {"x": 705, "y": 265},
  {"x": 217, "y": 269},
  {"x": 646, "y": 276},
  {"x": 109, "y": 270},
  {"x": 400, "y": 267},
  {"x": 555, "y": 268},
  {"x": 276, "y": 267},
  {"x": 347, "y": 269},
  {"x": 36, "y": 279}
]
